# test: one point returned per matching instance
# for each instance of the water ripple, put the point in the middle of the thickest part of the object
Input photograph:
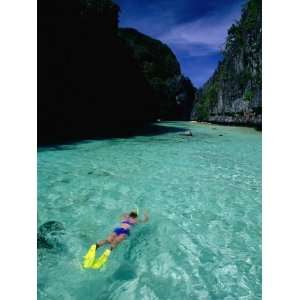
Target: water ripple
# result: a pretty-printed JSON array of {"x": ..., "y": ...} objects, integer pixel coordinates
[{"x": 203, "y": 240}]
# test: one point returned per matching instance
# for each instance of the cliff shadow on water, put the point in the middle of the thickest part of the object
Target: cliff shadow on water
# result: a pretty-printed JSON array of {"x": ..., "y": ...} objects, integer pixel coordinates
[{"x": 151, "y": 129}]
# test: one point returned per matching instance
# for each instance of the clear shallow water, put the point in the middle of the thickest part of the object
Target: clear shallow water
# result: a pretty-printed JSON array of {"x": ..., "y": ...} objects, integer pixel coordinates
[{"x": 203, "y": 194}]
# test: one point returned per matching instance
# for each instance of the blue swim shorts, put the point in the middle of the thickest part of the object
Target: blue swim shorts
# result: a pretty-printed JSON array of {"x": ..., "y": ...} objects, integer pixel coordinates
[{"x": 120, "y": 230}]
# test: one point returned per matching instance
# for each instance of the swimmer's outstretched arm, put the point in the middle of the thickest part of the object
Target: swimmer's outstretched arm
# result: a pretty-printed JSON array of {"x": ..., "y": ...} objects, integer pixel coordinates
[
  {"x": 124, "y": 216},
  {"x": 146, "y": 218}
]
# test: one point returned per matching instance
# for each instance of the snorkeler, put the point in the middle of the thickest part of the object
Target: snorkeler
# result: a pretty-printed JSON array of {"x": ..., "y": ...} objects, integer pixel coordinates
[{"x": 121, "y": 232}]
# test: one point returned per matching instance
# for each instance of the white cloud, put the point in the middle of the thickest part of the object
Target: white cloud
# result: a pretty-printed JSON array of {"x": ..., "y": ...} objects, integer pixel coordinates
[{"x": 202, "y": 36}]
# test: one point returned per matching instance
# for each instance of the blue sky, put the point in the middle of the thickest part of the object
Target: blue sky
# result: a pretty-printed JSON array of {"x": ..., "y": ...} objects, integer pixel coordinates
[{"x": 194, "y": 29}]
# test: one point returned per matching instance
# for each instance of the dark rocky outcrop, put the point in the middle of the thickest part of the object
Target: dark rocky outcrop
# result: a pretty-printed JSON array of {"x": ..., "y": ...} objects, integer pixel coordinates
[
  {"x": 174, "y": 92},
  {"x": 233, "y": 94}
]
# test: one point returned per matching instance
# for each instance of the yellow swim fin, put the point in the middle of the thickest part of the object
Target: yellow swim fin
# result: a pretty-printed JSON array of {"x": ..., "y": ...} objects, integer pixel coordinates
[
  {"x": 89, "y": 258},
  {"x": 99, "y": 262}
]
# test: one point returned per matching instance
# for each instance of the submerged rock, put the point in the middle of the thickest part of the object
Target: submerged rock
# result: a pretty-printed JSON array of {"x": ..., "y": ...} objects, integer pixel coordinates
[{"x": 49, "y": 235}]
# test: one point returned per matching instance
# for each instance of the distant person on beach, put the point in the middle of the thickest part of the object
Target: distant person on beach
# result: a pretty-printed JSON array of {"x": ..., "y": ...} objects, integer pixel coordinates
[{"x": 120, "y": 233}]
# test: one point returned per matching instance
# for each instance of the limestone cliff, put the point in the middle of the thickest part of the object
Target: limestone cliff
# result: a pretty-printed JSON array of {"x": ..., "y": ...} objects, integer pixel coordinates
[
  {"x": 233, "y": 94},
  {"x": 96, "y": 80},
  {"x": 174, "y": 92},
  {"x": 89, "y": 84}
]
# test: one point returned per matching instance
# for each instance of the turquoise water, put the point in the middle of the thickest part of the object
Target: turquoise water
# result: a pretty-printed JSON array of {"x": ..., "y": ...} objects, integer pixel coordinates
[{"x": 203, "y": 195}]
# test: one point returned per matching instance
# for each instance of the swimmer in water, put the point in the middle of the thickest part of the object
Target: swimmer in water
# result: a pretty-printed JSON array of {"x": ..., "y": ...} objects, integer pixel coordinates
[{"x": 120, "y": 233}]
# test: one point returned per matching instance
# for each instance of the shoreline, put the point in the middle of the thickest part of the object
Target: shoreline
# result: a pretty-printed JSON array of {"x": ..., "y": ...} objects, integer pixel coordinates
[{"x": 257, "y": 127}]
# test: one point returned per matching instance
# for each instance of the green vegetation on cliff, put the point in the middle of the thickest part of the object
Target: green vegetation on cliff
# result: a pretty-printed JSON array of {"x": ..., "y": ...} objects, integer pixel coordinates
[
  {"x": 174, "y": 92},
  {"x": 158, "y": 61},
  {"x": 235, "y": 87}
]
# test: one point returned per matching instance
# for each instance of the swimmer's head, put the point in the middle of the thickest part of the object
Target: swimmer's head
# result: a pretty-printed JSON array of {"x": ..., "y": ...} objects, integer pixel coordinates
[{"x": 133, "y": 214}]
